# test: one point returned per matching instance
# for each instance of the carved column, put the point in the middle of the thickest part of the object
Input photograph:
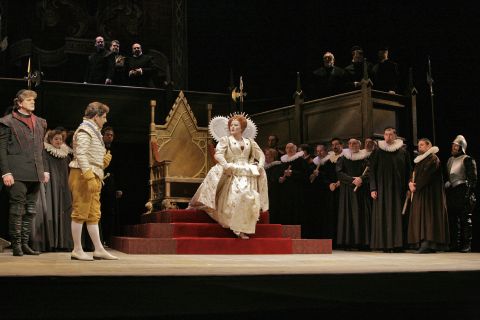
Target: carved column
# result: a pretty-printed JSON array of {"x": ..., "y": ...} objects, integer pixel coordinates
[{"x": 179, "y": 44}]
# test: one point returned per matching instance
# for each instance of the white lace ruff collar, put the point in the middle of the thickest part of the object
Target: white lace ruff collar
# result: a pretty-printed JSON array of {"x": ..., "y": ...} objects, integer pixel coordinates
[
  {"x": 320, "y": 161},
  {"x": 430, "y": 151},
  {"x": 61, "y": 152},
  {"x": 287, "y": 158},
  {"x": 360, "y": 155},
  {"x": 396, "y": 145},
  {"x": 272, "y": 164},
  {"x": 334, "y": 157}
]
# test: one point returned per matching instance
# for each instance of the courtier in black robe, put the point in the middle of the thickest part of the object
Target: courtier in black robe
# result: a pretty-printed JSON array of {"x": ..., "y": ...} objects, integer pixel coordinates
[
  {"x": 291, "y": 189},
  {"x": 354, "y": 211},
  {"x": 385, "y": 76},
  {"x": 389, "y": 173},
  {"x": 52, "y": 224},
  {"x": 428, "y": 224},
  {"x": 330, "y": 209},
  {"x": 274, "y": 172},
  {"x": 145, "y": 78},
  {"x": 328, "y": 81},
  {"x": 98, "y": 67},
  {"x": 316, "y": 193},
  {"x": 354, "y": 74}
]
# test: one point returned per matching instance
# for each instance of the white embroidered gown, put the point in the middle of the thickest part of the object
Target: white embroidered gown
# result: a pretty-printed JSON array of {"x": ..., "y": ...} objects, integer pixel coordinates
[{"x": 235, "y": 189}]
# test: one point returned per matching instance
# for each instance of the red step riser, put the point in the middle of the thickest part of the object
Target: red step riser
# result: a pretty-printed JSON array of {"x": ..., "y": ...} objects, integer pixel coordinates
[
  {"x": 202, "y": 246},
  {"x": 222, "y": 246},
  {"x": 190, "y": 216},
  {"x": 178, "y": 230}
]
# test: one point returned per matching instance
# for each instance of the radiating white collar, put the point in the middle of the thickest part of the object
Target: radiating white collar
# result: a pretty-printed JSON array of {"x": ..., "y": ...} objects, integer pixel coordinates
[
  {"x": 430, "y": 151},
  {"x": 360, "y": 155},
  {"x": 396, "y": 145},
  {"x": 61, "y": 152},
  {"x": 287, "y": 158}
]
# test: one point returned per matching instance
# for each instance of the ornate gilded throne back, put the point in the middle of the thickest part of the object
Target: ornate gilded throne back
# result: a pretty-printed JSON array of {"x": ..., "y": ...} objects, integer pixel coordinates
[{"x": 179, "y": 158}]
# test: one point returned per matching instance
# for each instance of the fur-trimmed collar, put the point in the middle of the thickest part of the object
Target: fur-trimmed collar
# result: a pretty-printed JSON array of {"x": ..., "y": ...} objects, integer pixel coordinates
[
  {"x": 396, "y": 145},
  {"x": 61, "y": 152},
  {"x": 272, "y": 164},
  {"x": 360, "y": 155},
  {"x": 286, "y": 158},
  {"x": 430, "y": 151}
]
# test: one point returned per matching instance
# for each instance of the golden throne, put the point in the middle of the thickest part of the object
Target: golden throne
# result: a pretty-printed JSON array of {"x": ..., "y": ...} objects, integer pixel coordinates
[{"x": 179, "y": 156}]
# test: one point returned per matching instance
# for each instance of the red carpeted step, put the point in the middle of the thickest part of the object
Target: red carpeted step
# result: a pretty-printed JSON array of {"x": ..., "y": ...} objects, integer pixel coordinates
[
  {"x": 202, "y": 246},
  {"x": 212, "y": 230},
  {"x": 233, "y": 246},
  {"x": 182, "y": 215},
  {"x": 309, "y": 246}
]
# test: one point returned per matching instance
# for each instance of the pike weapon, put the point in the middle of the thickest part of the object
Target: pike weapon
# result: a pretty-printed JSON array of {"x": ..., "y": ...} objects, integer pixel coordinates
[
  {"x": 405, "y": 203},
  {"x": 408, "y": 197}
]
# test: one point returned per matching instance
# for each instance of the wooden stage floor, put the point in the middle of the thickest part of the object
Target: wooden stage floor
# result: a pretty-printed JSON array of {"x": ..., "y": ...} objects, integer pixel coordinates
[
  {"x": 339, "y": 262},
  {"x": 341, "y": 285}
]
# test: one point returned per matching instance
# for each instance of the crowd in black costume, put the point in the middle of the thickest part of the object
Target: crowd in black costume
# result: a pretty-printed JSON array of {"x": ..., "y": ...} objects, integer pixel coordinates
[
  {"x": 374, "y": 198},
  {"x": 330, "y": 79}
]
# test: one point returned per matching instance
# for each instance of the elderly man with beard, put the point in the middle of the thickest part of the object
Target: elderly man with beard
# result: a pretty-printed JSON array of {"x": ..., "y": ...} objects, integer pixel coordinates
[
  {"x": 389, "y": 174},
  {"x": 141, "y": 68},
  {"x": 461, "y": 183},
  {"x": 354, "y": 210},
  {"x": 428, "y": 224}
]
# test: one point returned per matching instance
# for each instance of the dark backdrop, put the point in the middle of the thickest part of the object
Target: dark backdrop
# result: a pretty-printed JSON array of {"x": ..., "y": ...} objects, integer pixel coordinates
[{"x": 267, "y": 42}]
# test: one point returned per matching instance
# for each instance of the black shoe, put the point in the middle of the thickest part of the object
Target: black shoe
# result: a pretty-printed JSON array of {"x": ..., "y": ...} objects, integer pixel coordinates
[
  {"x": 465, "y": 249},
  {"x": 398, "y": 250},
  {"x": 17, "y": 250},
  {"x": 29, "y": 251},
  {"x": 425, "y": 250}
]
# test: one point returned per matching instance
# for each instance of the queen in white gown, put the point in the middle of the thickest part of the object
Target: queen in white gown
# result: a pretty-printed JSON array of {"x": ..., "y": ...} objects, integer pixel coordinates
[{"x": 235, "y": 189}]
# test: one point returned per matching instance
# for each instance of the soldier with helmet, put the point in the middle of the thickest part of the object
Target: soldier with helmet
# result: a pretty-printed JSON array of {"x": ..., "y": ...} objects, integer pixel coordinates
[{"x": 460, "y": 186}]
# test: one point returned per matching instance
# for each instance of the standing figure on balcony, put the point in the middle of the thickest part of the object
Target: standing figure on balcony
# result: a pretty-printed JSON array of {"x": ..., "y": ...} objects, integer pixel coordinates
[{"x": 235, "y": 189}]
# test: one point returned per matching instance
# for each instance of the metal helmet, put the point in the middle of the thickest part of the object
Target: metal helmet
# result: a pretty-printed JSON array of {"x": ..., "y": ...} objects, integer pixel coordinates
[{"x": 460, "y": 140}]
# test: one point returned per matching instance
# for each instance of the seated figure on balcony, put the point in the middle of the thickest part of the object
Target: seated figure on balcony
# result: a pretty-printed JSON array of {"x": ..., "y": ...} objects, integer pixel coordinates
[{"x": 235, "y": 189}]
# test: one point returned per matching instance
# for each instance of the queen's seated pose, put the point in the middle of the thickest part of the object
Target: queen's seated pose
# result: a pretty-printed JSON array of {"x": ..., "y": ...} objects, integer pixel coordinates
[{"x": 235, "y": 189}]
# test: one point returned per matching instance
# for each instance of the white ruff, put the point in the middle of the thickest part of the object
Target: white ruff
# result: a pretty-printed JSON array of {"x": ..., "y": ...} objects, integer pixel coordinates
[
  {"x": 396, "y": 145},
  {"x": 272, "y": 164},
  {"x": 317, "y": 161},
  {"x": 360, "y": 155},
  {"x": 61, "y": 152},
  {"x": 334, "y": 157},
  {"x": 286, "y": 158},
  {"x": 426, "y": 154}
]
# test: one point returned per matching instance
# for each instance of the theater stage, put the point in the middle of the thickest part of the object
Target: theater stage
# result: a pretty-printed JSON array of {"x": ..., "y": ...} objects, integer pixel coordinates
[{"x": 362, "y": 285}]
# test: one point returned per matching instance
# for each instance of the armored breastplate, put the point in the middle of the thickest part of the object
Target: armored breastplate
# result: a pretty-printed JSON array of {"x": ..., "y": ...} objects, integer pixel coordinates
[{"x": 456, "y": 170}]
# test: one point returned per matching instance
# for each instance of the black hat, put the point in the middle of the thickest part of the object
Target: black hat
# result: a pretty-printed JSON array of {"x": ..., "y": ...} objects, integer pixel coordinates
[
  {"x": 382, "y": 47},
  {"x": 355, "y": 48}
]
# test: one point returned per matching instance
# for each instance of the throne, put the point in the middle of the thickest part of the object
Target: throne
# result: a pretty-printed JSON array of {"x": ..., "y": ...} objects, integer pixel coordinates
[{"x": 179, "y": 156}]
